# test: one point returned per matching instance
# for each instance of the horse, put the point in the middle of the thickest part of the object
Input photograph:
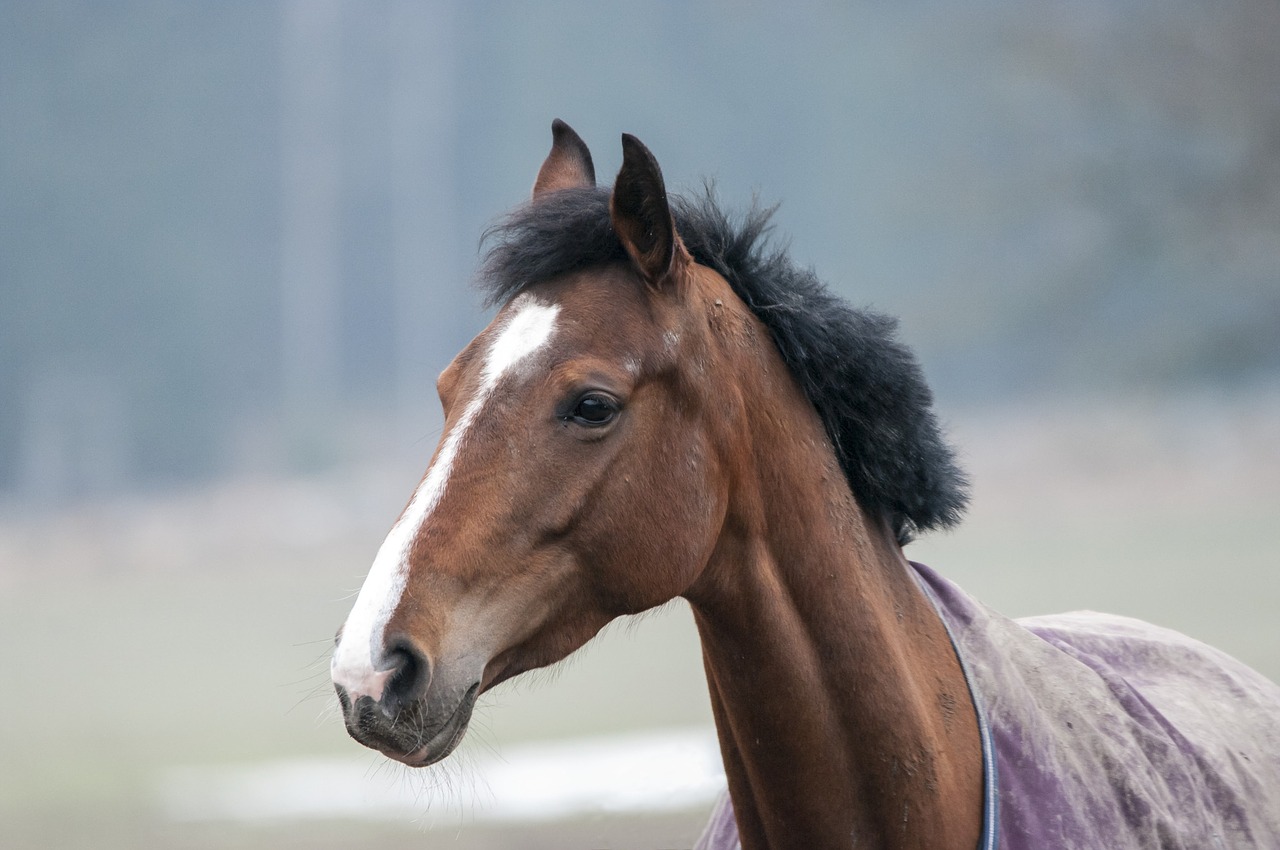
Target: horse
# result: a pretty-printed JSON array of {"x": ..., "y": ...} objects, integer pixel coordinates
[{"x": 666, "y": 406}]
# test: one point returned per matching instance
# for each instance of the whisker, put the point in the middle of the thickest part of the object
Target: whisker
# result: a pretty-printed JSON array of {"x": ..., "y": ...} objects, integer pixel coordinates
[{"x": 311, "y": 642}]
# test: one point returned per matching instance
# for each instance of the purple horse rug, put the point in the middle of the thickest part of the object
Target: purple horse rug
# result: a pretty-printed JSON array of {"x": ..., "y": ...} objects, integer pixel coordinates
[{"x": 1106, "y": 733}]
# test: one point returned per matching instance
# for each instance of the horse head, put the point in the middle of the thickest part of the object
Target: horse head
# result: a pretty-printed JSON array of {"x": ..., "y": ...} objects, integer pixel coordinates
[{"x": 583, "y": 472}]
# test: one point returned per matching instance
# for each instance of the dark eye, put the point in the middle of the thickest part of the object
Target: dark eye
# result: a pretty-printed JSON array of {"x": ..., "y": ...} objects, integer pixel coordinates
[{"x": 594, "y": 410}]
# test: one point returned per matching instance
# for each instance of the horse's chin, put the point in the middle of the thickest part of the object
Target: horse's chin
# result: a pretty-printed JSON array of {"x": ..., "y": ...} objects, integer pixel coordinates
[{"x": 446, "y": 740}]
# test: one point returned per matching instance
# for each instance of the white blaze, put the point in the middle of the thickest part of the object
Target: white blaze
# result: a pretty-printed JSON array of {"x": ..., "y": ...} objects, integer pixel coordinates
[{"x": 353, "y": 667}]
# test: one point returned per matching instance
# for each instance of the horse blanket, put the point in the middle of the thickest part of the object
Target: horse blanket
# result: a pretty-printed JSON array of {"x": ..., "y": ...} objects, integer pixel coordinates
[{"x": 1106, "y": 733}]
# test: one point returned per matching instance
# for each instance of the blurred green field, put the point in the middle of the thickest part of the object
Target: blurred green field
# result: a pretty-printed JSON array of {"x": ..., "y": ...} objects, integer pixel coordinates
[
  {"x": 145, "y": 636},
  {"x": 123, "y": 676}
]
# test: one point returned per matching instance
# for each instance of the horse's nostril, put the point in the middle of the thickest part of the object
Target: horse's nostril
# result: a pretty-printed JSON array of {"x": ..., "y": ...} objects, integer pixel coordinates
[{"x": 410, "y": 674}]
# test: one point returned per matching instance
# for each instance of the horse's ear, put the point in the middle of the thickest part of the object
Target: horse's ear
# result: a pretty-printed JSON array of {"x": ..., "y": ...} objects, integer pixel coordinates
[
  {"x": 569, "y": 163},
  {"x": 641, "y": 215}
]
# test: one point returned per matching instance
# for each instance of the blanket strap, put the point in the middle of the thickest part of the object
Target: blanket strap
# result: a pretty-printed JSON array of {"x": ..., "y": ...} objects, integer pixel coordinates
[{"x": 990, "y": 836}]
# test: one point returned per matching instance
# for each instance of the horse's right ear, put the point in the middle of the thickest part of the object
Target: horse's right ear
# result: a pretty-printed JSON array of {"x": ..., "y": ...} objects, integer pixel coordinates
[
  {"x": 568, "y": 165},
  {"x": 641, "y": 214}
]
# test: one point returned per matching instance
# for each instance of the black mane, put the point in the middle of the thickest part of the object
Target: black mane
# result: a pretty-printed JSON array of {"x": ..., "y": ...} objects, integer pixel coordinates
[{"x": 864, "y": 383}]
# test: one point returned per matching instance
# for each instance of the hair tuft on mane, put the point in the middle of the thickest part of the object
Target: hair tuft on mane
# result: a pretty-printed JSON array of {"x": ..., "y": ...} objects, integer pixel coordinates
[{"x": 866, "y": 385}]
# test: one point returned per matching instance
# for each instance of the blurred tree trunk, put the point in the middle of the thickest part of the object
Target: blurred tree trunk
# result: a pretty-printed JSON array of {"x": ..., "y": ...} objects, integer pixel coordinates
[
  {"x": 311, "y": 183},
  {"x": 424, "y": 200}
]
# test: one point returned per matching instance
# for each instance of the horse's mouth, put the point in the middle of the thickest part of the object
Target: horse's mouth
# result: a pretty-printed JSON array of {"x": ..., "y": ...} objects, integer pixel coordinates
[{"x": 402, "y": 736}]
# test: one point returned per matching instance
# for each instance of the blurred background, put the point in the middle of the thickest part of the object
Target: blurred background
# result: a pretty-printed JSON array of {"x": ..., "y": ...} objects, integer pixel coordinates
[{"x": 236, "y": 240}]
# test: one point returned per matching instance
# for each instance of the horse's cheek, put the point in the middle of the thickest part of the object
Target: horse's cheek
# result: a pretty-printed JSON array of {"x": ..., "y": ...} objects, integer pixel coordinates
[{"x": 670, "y": 530}]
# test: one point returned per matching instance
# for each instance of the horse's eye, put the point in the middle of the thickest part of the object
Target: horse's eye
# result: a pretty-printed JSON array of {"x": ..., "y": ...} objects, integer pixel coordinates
[{"x": 594, "y": 410}]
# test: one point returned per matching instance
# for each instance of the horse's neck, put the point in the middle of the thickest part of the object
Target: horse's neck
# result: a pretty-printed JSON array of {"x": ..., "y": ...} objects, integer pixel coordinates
[{"x": 843, "y": 715}]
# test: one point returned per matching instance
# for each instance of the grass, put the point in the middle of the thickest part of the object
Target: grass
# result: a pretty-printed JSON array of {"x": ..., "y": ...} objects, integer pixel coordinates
[{"x": 124, "y": 673}]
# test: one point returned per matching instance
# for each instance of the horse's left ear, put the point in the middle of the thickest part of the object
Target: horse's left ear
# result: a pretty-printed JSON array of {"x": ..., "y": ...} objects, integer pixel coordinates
[
  {"x": 641, "y": 215},
  {"x": 568, "y": 165}
]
